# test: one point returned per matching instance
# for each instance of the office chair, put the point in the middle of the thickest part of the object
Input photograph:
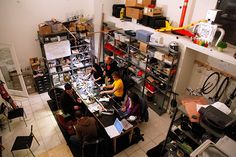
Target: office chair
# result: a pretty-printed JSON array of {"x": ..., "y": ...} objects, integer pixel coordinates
[
  {"x": 12, "y": 114},
  {"x": 24, "y": 142},
  {"x": 91, "y": 148}
]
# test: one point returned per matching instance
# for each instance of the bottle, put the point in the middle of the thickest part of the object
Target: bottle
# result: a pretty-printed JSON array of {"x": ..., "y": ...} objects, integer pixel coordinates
[{"x": 122, "y": 12}]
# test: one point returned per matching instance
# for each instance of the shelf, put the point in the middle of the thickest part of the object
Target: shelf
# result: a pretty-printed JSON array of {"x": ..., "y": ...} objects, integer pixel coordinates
[
  {"x": 161, "y": 72},
  {"x": 226, "y": 56},
  {"x": 156, "y": 77},
  {"x": 138, "y": 51},
  {"x": 136, "y": 65}
]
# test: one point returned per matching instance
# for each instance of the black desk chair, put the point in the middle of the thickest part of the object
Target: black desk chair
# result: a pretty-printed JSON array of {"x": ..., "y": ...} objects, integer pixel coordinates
[
  {"x": 92, "y": 148},
  {"x": 24, "y": 142}
]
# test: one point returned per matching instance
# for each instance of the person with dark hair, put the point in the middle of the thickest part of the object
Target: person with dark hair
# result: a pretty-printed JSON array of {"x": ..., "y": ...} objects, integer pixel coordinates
[
  {"x": 110, "y": 67},
  {"x": 132, "y": 105},
  {"x": 97, "y": 74},
  {"x": 70, "y": 102},
  {"x": 86, "y": 129},
  {"x": 117, "y": 88}
]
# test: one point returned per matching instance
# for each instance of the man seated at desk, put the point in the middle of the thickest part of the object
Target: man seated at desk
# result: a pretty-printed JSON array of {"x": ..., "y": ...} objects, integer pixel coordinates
[
  {"x": 117, "y": 88},
  {"x": 86, "y": 130},
  {"x": 70, "y": 102}
]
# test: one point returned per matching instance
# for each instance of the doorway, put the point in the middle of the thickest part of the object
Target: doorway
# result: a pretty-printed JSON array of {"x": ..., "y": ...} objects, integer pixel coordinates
[{"x": 10, "y": 72}]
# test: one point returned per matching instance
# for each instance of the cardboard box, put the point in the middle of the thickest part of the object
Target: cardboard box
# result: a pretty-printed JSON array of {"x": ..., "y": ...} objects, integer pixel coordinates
[
  {"x": 45, "y": 30},
  {"x": 134, "y": 13},
  {"x": 57, "y": 27},
  {"x": 148, "y": 2},
  {"x": 143, "y": 47},
  {"x": 139, "y": 3},
  {"x": 134, "y": 3},
  {"x": 152, "y": 11}
]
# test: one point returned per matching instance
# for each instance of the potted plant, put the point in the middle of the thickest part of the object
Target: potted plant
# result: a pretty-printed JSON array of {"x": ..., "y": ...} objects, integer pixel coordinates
[{"x": 221, "y": 46}]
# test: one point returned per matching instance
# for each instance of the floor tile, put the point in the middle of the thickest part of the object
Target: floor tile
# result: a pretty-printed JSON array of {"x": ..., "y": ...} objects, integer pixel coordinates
[
  {"x": 52, "y": 142},
  {"x": 138, "y": 153}
]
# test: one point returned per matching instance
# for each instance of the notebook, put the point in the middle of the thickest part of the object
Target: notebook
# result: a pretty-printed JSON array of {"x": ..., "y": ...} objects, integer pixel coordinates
[{"x": 115, "y": 129}]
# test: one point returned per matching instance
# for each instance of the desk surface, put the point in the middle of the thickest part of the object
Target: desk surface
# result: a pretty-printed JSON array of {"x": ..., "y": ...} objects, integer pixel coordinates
[{"x": 86, "y": 89}]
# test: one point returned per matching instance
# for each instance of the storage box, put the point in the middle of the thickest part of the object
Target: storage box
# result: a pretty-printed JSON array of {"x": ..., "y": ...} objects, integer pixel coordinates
[
  {"x": 143, "y": 47},
  {"x": 146, "y": 3},
  {"x": 134, "y": 13},
  {"x": 152, "y": 11},
  {"x": 45, "y": 30},
  {"x": 57, "y": 27},
  {"x": 143, "y": 35},
  {"x": 134, "y": 3},
  {"x": 139, "y": 3}
]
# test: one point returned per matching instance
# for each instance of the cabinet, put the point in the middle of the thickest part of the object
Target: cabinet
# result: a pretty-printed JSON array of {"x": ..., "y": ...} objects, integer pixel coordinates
[
  {"x": 151, "y": 68},
  {"x": 66, "y": 53}
]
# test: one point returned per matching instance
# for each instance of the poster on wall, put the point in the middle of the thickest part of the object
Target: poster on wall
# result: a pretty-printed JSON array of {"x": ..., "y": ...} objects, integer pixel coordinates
[{"x": 56, "y": 50}]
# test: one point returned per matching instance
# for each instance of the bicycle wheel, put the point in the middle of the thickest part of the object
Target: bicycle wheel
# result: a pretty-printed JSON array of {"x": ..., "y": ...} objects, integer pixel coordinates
[{"x": 210, "y": 83}]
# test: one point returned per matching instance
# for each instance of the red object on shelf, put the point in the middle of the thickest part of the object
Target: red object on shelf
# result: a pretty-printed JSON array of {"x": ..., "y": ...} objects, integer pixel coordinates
[
  {"x": 109, "y": 47},
  {"x": 150, "y": 87},
  {"x": 184, "y": 32}
]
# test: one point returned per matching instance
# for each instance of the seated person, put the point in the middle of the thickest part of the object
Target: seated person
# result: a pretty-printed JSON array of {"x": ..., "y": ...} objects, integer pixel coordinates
[
  {"x": 117, "y": 88},
  {"x": 97, "y": 74},
  {"x": 85, "y": 130},
  {"x": 132, "y": 105},
  {"x": 70, "y": 102},
  {"x": 110, "y": 67}
]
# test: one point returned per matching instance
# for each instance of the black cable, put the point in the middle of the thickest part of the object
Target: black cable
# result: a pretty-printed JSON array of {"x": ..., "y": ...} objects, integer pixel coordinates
[
  {"x": 231, "y": 97},
  {"x": 207, "y": 85},
  {"x": 218, "y": 95}
]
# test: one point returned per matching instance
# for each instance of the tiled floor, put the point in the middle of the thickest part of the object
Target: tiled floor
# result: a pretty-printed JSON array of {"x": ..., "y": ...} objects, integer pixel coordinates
[{"x": 52, "y": 142}]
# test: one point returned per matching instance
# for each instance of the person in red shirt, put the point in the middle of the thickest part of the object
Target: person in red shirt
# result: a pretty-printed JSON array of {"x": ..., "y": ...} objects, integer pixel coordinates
[{"x": 110, "y": 67}]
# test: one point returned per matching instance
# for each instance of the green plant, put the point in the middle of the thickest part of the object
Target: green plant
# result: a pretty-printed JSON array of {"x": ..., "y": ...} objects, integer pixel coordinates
[{"x": 222, "y": 44}]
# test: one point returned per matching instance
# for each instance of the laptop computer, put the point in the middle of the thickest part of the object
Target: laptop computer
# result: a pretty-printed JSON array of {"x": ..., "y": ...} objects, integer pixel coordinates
[
  {"x": 119, "y": 112},
  {"x": 115, "y": 129}
]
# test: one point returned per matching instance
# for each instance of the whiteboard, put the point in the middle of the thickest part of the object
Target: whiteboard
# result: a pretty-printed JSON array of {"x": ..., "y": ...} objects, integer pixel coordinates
[{"x": 56, "y": 50}]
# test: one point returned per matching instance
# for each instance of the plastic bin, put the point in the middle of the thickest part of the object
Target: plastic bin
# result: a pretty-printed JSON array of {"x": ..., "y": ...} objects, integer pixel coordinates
[{"x": 143, "y": 35}]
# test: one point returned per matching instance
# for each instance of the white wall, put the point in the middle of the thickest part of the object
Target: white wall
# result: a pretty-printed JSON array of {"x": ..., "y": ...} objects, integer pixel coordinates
[
  {"x": 20, "y": 19},
  {"x": 196, "y": 9}
]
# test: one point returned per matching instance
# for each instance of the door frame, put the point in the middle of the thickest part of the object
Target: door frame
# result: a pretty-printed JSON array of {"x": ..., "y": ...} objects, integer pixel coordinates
[{"x": 24, "y": 92}]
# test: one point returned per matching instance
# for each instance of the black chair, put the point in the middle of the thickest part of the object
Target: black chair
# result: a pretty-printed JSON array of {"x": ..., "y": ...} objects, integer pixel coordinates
[
  {"x": 55, "y": 94},
  {"x": 12, "y": 114},
  {"x": 92, "y": 148},
  {"x": 144, "y": 115},
  {"x": 24, "y": 142}
]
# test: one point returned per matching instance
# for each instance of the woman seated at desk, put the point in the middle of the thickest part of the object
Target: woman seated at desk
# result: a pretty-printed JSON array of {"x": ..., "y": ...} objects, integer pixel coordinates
[
  {"x": 97, "y": 74},
  {"x": 117, "y": 88},
  {"x": 132, "y": 105}
]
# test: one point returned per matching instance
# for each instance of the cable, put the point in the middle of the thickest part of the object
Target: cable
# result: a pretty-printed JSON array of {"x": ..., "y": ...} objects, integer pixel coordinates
[
  {"x": 218, "y": 95},
  {"x": 208, "y": 85}
]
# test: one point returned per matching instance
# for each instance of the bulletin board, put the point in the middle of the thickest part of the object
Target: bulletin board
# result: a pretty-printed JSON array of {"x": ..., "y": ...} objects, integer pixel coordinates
[{"x": 56, "y": 50}]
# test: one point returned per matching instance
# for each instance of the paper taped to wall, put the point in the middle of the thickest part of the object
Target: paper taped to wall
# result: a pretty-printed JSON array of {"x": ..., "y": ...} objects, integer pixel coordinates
[{"x": 56, "y": 50}]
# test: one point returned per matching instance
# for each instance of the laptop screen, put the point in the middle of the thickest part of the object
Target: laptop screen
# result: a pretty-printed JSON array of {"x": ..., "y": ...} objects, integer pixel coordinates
[{"x": 118, "y": 125}]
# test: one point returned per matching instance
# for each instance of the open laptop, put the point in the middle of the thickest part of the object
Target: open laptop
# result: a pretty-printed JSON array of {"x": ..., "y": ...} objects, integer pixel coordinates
[
  {"x": 115, "y": 129},
  {"x": 121, "y": 114}
]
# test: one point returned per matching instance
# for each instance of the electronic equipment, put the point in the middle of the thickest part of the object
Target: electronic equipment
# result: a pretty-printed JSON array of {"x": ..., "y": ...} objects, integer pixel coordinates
[
  {"x": 206, "y": 31},
  {"x": 228, "y": 19}
]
